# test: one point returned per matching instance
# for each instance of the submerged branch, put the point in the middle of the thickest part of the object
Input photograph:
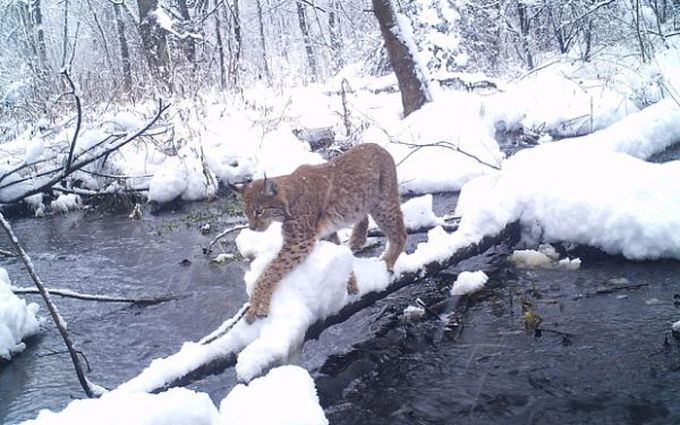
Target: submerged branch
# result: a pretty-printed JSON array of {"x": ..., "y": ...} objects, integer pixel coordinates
[{"x": 66, "y": 293}]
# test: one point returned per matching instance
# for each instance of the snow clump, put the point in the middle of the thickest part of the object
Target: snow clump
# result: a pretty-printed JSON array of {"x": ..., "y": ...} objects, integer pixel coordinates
[
  {"x": 17, "y": 319},
  {"x": 290, "y": 397},
  {"x": 469, "y": 283}
]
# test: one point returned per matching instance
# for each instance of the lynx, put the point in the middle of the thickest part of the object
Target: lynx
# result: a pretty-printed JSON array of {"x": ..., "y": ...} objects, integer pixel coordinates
[{"x": 316, "y": 201}]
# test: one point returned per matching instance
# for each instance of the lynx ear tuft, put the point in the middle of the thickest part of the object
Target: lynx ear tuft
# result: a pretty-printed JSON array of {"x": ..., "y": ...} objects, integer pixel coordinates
[{"x": 270, "y": 188}]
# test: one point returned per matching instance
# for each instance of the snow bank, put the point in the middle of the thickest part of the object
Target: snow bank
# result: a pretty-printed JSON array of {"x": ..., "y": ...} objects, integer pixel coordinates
[
  {"x": 580, "y": 191},
  {"x": 423, "y": 167},
  {"x": 285, "y": 396},
  {"x": 469, "y": 282},
  {"x": 177, "y": 406},
  {"x": 17, "y": 319},
  {"x": 554, "y": 101}
]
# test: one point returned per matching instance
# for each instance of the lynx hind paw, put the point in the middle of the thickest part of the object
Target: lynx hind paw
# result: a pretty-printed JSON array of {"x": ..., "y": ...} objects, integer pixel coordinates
[{"x": 352, "y": 286}]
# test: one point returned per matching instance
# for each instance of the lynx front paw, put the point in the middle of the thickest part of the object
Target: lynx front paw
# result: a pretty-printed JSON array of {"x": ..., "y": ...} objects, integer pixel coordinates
[{"x": 256, "y": 311}]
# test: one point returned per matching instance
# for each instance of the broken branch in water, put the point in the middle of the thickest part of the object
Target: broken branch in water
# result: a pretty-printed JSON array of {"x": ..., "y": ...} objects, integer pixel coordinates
[
  {"x": 66, "y": 293},
  {"x": 90, "y": 389},
  {"x": 208, "y": 248}
]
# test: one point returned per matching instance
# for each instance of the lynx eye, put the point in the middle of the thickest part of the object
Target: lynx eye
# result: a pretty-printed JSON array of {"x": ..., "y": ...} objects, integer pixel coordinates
[{"x": 259, "y": 212}]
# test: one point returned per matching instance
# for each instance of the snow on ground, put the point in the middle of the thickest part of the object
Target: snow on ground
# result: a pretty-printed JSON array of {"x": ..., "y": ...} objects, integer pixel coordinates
[
  {"x": 469, "y": 282},
  {"x": 289, "y": 394},
  {"x": 17, "y": 319},
  {"x": 178, "y": 406}
]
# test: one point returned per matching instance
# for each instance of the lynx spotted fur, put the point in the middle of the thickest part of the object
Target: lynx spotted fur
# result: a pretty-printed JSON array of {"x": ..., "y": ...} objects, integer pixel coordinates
[{"x": 316, "y": 201}]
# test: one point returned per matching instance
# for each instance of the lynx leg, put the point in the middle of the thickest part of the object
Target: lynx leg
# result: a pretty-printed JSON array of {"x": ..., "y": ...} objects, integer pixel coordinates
[
  {"x": 290, "y": 256},
  {"x": 352, "y": 287},
  {"x": 359, "y": 232},
  {"x": 391, "y": 222}
]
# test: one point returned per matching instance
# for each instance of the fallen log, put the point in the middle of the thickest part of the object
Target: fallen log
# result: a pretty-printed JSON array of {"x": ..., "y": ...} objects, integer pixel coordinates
[{"x": 220, "y": 362}]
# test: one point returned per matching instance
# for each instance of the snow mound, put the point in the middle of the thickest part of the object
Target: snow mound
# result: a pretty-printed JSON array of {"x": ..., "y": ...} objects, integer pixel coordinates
[
  {"x": 567, "y": 191},
  {"x": 185, "y": 175},
  {"x": 285, "y": 396},
  {"x": 17, "y": 319},
  {"x": 177, "y": 406},
  {"x": 676, "y": 326},
  {"x": 469, "y": 283}
]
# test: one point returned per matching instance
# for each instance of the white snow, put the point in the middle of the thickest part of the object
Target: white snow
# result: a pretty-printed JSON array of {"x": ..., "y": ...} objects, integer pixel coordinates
[
  {"x": 177, "y": 406},
  {"x": 17, "y": 319},
  {"x": 579, "y": 191},
  {"x": 285, "y": 396},
  {"x": 544, "y": 258},
  {"x": 676, "y": 326},
  {"x": 469, "y": 282},
  {"x": 66, "y": 202},
  {"x": 418, "y": 213}
]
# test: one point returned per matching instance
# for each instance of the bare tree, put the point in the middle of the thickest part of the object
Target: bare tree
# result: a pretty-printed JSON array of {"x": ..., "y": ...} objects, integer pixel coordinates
[
  {"x": 124, "y": 49},
  {"x": 412, "y": 84},
  {"x": 335, "y": 35},
  {"x": 263, "y": 45},
  {"x": 304, "y": 28},
  {"x": 154, "y": 40}
]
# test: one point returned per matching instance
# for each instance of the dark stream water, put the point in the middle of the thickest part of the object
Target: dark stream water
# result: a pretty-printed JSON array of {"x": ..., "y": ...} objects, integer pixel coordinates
[{"x": 612, "y": 367}]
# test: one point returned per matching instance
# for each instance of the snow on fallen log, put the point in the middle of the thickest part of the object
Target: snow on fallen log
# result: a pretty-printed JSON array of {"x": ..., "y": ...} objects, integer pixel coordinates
[
  {"x": 584, "y": 191},
  {"x": 309, "y": 300}
]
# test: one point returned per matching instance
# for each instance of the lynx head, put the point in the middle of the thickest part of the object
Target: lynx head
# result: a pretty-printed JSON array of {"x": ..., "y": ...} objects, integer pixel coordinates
[{"x": 263, "y": 203}]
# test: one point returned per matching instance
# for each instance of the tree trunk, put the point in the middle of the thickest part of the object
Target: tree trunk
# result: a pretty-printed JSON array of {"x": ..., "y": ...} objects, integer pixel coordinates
[
  {"x": 154, "y": 41},
  {"x": 524, "y": 25},
  {"x": 188, "y": 45},
  {"x": 336, "y": 36},
  {"x": 412, "y": 84},
  {"x": 304, "y": 28},
  {"x": 37, "y": 19},
  {"x": 235, "y": 63},
  {"x": 124, "y": 50},
  {"x": 263, "y": 46},
  {"x": 220, "y": 51}
]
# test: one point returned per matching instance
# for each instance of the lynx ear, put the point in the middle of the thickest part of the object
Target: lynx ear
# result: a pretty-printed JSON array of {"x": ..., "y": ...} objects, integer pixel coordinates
[{"x": 270, "y": 187}]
